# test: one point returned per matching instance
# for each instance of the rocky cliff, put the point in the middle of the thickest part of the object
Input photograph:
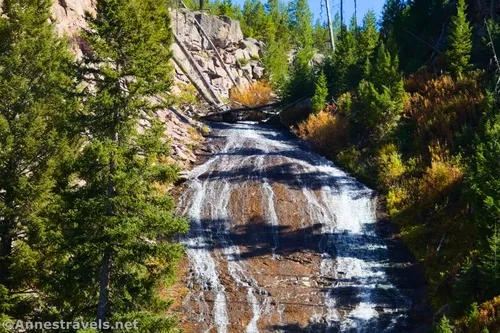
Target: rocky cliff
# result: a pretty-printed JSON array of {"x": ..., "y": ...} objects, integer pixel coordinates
[
  {"x": 220, "y": 55},
  {"x": 217, "y": 57}
]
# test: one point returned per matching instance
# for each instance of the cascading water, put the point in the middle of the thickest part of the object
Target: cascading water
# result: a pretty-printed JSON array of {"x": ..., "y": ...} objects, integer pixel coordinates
[{"x": 282, "y": 240}]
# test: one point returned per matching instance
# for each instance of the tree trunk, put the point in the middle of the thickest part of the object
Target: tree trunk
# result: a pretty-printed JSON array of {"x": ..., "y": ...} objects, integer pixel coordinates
[
  {"x": 341, "y": 13},
  {"x": 330, "y": 25},
  {"x": 105, "y": 275},
  {"x": 5, "y": 250},
  {"x": 102, "y": 306},
  {"x": 355, "y": 15},
  {"x": 6, "y": 226}
]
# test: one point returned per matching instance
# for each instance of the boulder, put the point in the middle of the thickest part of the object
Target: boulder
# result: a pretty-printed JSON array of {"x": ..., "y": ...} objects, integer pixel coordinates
[
  {"x": 251, "y": 47},
  {"x": 258, "y": 72},
  {"x": 247, "y": 70},
  {"x": 222, "y": 31},
  {"x": 318, "y": 59},
  {"x": 235, "y": 33},
  {"x": 201, "y": 62},
  {"x": 242, "y": 54},
  {"x": 229, "y": 58}
]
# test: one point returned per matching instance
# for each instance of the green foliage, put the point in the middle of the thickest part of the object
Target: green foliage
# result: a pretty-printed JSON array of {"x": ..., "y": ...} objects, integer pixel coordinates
[
  {"x": 380, "y": 102},
  {"x": 118, "y": 220},
  {"x": 443, "y": 326},
  {"x": 368, "y": 38},
  {"x": 340, "y": 68},
  {"x": 390, "y": 165},
  {"x": 485, "y": 184},
  {"x": 254, "y": 19},
  {"x": 301, "y": 24},
  {"x": 300, "y": 78},
  {"x": 277, "y": 41},
  {"x": 319, "y": 99},
  {"x": 459, "y": 41},
  {"x": 225, "y": 8},
  {"x": 321, "y": 37},
  {"x": 37, "y": 106}
]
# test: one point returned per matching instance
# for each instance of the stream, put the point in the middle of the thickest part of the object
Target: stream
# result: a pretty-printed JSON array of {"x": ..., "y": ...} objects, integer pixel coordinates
[{"x": 282, "y": 240}]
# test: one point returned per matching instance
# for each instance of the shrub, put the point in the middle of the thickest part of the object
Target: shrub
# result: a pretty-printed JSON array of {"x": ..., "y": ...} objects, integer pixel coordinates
[
  {"x": 344, "y": 103},
  {"x": 243, "y": 61},
  {"x": 350, "y": 158},
  {"x": 378, "y": 110},
  {"x": 440, "y": 178},
  {"x": 443, "y": 326},
  {"x": 258, "y": 93},
  {"x": 188, "y": 95},
  {"x": 326, "y": 132},
  {"x": 442, "y": 106},
  {"x": 389, "y": 164},
  {"x": 397, "y": 198}
]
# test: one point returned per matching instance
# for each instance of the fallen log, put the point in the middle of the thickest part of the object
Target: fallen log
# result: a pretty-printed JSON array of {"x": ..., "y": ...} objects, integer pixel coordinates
[{"x": 260, "y": 108}]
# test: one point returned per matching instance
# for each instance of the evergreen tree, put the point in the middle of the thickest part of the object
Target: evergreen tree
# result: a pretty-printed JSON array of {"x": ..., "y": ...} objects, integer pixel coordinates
[
  {"x": 485, "y": 184},
  {"x": 277, "y": 43},
  {"x": 319, "y": 99},
  {"x": 35, "y": 90},
  {"x": 459, "y": 40},
  {"x": 300, "y": 81},
  {"x": 321, "y": 37},
  {"x": 254, "y": 19},
  {"x": 119, "y": 222},
  {"x": 340, "y": 67},
  {"x": 380, "y": 101},
  {"x": 368, "y": 37},
  {"x": 301, "y": 24},
  {"x": 443, "y": 326}
]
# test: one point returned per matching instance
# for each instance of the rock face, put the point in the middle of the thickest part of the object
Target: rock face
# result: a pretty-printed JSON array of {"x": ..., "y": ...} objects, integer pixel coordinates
[
  {"x": 238, "y": 64},
  {"x": 69, "y": 19}
]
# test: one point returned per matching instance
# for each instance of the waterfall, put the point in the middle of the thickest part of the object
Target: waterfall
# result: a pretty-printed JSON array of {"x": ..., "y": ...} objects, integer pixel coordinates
[{"x": 283, "y": 239}]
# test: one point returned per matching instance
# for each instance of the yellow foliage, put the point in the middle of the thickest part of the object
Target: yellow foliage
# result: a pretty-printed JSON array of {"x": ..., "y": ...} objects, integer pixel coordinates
[
  {"x": 442, "y": 106},
  {"x": 344, "y": 103},
  {"x": 390, "y": 165},
  {"x": 440, "y": 177},
  {"x": 188, "y": 95},
  {"x": 396, "y": 200},
  {"x": 258, "y": 93},
  {"x": 325, "y": 131},
  {"x": 489, "y": 317}
]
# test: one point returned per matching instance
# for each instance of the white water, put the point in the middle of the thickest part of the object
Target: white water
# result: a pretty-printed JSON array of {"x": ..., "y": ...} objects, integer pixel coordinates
[{"x": 353, "y": 257}]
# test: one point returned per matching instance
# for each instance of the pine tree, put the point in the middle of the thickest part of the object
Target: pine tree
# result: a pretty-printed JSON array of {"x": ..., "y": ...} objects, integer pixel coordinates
[
  {"x": 277, "y": 43},
  {"x": 485, "y": 184},
  {"x": 301, "y": 24},
  {"x": 443, "y": 326},
  {"x": 340, "y": 67},
  {"x": 368, "y": 37},
  {"x": 36, "y": 103},
  {"x": 120, "y": 223},
  {"x": 321, "y": 37},
  {"x": 254, "y": 19},
  {"x": 459, "y": 40},
  {"x": 320, "y": 94},
  {"x": 381, "y": 98}
]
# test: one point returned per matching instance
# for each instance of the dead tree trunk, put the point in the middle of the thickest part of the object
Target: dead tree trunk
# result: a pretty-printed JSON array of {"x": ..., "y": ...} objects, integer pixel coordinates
[{"x": 330, "y": 25}]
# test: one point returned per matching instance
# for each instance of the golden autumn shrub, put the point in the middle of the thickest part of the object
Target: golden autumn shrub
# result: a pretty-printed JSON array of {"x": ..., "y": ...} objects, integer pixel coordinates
[
  {"x": 390, "y": 165},
  {"x": 443, "y": 106},
  {"x": 325, "y": 131},
  {"x": 258, "y": 93},
  {"x": 487, "y": 315},
  {"x": 442, "y": 175}
]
